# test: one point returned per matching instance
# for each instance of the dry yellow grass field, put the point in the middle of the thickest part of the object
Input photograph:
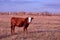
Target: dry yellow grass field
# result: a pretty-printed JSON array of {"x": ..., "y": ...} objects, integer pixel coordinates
[{"x": 41, "y": 28}]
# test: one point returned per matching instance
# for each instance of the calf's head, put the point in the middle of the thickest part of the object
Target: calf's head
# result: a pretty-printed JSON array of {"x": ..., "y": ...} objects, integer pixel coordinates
[{"x": 29, "y": 19}]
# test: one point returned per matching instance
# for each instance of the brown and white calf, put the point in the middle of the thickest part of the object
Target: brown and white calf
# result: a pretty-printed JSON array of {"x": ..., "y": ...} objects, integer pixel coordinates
[{"x": 20, "y": 22}]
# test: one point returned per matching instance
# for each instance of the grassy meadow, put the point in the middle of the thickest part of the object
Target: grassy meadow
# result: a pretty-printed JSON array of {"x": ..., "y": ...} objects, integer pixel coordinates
[{"x": 41, "y": 28}]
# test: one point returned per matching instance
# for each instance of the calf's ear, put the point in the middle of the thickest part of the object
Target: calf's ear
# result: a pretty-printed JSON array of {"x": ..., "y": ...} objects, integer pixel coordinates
[
  {"x": 32, "y": 18},
  {"x": 26, "y": 18}
]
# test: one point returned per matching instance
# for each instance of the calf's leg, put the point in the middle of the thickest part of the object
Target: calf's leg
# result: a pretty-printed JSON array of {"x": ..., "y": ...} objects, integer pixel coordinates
[
  {"x": 12, "y": 29},
  {"x": 25, "y": 27}
]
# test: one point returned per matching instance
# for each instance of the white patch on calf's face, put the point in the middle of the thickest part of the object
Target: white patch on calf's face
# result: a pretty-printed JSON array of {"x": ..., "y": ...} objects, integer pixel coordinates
[{"x": 29, "y": 19}]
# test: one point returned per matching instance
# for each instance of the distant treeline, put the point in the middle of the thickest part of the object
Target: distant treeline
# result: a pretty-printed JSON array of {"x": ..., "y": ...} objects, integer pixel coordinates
[{"x": 30, "y": 13}]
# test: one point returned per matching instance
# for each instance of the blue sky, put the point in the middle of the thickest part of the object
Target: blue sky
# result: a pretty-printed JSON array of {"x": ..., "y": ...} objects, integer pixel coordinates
[{"x": 30, "y": 5}]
